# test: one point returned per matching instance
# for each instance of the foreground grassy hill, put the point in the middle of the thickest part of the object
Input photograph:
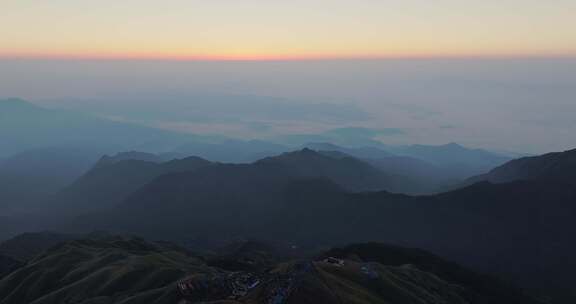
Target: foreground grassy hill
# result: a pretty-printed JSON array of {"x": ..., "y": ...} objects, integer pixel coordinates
[
  {"x": 355, "y": 283},
  {"x": 106, "y": 270},
  {"x": 103, "y": 269}
]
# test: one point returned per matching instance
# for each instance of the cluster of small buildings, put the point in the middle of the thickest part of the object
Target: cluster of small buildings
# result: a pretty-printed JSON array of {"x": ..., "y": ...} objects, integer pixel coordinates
[
  {"x": 237, "y": 285},
  {"x": 334, "y": 261},
  {"x": 368, "y": 270},
  {"x": 217, "y": 287},
  {"x": 282, "y": 286}
]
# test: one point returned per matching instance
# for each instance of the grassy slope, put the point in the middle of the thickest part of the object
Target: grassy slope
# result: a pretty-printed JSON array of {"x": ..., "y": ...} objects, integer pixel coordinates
[{"x": 95, "y": 271}]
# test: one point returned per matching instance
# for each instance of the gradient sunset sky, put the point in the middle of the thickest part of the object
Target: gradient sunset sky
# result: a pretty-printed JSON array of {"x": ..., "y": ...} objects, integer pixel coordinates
[{"x": 277, "y": 29}]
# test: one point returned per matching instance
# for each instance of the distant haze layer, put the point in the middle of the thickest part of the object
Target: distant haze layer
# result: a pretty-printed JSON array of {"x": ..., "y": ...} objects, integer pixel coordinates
[{"x": 522, "y": 104}]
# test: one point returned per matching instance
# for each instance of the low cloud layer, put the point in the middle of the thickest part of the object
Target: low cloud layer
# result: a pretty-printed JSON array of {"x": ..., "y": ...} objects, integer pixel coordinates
[{"x": 505, "y": 104}]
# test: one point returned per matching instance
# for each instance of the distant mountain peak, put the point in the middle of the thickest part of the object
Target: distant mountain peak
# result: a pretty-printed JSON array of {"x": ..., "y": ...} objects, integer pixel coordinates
[
  {"x": 299, "y": 156},
  {"x": 16, "y": 104},
  {"x": 307, "y": 151},
  {"x": 322, "y": 146},
  {"x": 301, "y": 152},
  {"x": 130, "y": 155},
  {"x": 454, "y": 145}
]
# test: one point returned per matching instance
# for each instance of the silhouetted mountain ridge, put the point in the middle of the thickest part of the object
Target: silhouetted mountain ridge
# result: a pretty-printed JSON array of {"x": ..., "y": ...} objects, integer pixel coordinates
[
  {"x": 28, "y": 178},
  {"x": 113, "y": 178},
  {"x": 347, "y": 171},
  {"x": 131, "y": 155},
  {"x": 554, "y": 167},
  {"x": 431, "y": 169}
]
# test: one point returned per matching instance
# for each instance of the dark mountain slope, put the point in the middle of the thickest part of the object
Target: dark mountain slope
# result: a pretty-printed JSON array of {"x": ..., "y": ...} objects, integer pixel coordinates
[
  {"x": 480, "y": 288},
  {"x": 112, "y": 179},
  {"x": 556, "y": 167},
  {"x": 188, "y": 202},
  {"x": 347, "y": 171},
  {"x": 7, "y": 265},
  {"x": 232, "y": 195},
  {"x": 27, "y": 178},
  {"x": 430, "y": 178},
  {"x": 519, "y": 230},
  {"x": 262, "y": 181}
]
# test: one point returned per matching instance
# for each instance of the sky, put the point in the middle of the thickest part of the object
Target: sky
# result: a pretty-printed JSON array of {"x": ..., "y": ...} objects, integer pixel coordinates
[
  {"x": 278, "y": 29},
  {"x": 490, "y": 74}
]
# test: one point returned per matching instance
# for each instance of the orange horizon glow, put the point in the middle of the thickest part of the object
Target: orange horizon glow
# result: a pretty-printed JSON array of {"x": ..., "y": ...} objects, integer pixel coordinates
[
  {"x": 259, "y": 30},
  {"x": 273, "y": 57}
]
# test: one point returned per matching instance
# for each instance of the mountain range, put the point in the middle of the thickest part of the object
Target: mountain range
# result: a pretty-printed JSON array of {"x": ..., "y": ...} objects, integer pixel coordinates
[
  {"x": 520, "y": 230},
  {"x": 512, "y": 218},
  {"x": 25, "y": 126}
]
